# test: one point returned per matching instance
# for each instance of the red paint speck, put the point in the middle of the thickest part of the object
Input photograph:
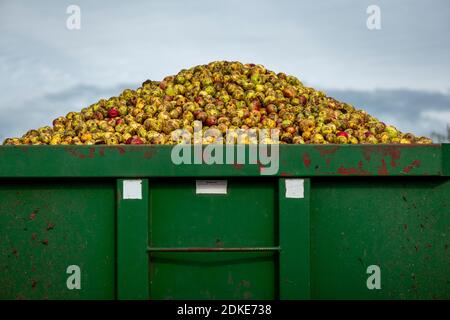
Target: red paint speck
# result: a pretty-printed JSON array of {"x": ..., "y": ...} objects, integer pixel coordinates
[
  {"x": 33, "y": 283},
  {"x": 149, "y": 154},
  {"x": 414, "y": 164},
  {"x": 306, "y": 160},
  {"x": 50, "y": 226},
  {"x": 327, "y": 151},
  {"x": 121, "y": 150},
  {"x": 285, "y": 174},
  {"x": 260, "y": 165},
  {"x": 238, "y": 166},
  {"x": 33, "y": 214},
  {"x": 367, "y": 152},
  {"x": 383, "y": 170},
  {"x": 394, "y": 153},
  {"x": 91, "y": 153},
  {"x": 345, "y": 171},
  {"x": 75, "y": 153},
  {"x": 45, "y": 242},
  {"x": 34, "y": 236},
  {"x": 353, "y": 171}
]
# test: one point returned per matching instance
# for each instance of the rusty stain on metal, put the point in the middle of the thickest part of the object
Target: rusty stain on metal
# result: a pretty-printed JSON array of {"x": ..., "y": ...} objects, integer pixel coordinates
[
  {"x": 327, "y": 151},
  {"x": 50, "y": 226},
  {"x": 394, "y": 153},
  {"x": 367, "y": 152},
  {"x": 306, "y": 160},
  {"x": 349, "y": 171},
  {"x": 238, "y": 166},
  {"x": 383, "y": 170},
  {"x": 79, "y": 155},
  {"x": 91, "y": 153},
  {"x": 385, "y": 151},
  {"x": 260, "y": 165},
  {"x": 121, "y": 150},
  {"x": 33, "y": 214},
  {"x": 414, "y": 164},
  {"x": 149, "y": 154}
]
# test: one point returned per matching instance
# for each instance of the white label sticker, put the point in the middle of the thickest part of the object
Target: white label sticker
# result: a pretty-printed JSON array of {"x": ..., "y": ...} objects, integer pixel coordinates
[
  {"x": 132, "y": 189},
  {"x": 211, "y": 186},
  {"x": 295, "y": 188}
]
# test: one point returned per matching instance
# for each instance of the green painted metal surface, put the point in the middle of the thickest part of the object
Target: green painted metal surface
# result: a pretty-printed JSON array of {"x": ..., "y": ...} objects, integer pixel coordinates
[
  {"x": 155, "y": 161},
  {"x": 47, "y": 226},
  {"x": 400, "y": 225},
  {"x": 294, "y": 220},
  {"x": 244, "y": 217},
  {"x": 446, "y": 159},
  {"x": 132, "y": 240},
  {"x": 362, "y": 206}
]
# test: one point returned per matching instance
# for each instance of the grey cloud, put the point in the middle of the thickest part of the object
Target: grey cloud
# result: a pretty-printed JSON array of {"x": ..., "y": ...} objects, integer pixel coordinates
[
  {"x": 326, "y": 44},
  {"x": 41, "y": 111},
  {"x": 419, "y": 112}
]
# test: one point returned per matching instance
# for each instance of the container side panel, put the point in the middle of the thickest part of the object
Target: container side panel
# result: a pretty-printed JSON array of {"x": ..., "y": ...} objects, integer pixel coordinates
[
  {"x": 57, "y": 239},
  {"x": 132, "y": 239},
  {"x": 294, "y": 213},
  {"x": 380, "y": 238},
  {"x": 446, "y": 159},
  {"x": 243, "y": 217}
]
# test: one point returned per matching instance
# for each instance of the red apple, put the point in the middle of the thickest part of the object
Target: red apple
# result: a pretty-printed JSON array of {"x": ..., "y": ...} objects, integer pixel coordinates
[
  {"x": 134, "y": 140},
  {"x": 342, "y": 134},
  {"x": 113, "y": 112}
]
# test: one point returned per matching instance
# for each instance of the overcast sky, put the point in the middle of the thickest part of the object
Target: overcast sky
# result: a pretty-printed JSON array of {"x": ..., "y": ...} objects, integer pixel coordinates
[{"x": 400, "y": 73}]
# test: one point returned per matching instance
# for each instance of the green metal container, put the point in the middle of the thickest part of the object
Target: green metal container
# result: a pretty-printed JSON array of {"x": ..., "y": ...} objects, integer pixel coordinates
[{"x": 127, "y": 222}]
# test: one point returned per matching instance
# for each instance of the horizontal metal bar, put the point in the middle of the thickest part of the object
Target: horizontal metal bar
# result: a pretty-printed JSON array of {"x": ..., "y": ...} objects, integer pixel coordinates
[{"x": 200, "y": 249}]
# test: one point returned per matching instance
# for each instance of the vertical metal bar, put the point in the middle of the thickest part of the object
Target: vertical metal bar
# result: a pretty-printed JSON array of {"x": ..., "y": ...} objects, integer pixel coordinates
[
  {"x": 445, "y": 159},
  {"x": 132, "y": 242},
  {"x": 294, "y": 238}
]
